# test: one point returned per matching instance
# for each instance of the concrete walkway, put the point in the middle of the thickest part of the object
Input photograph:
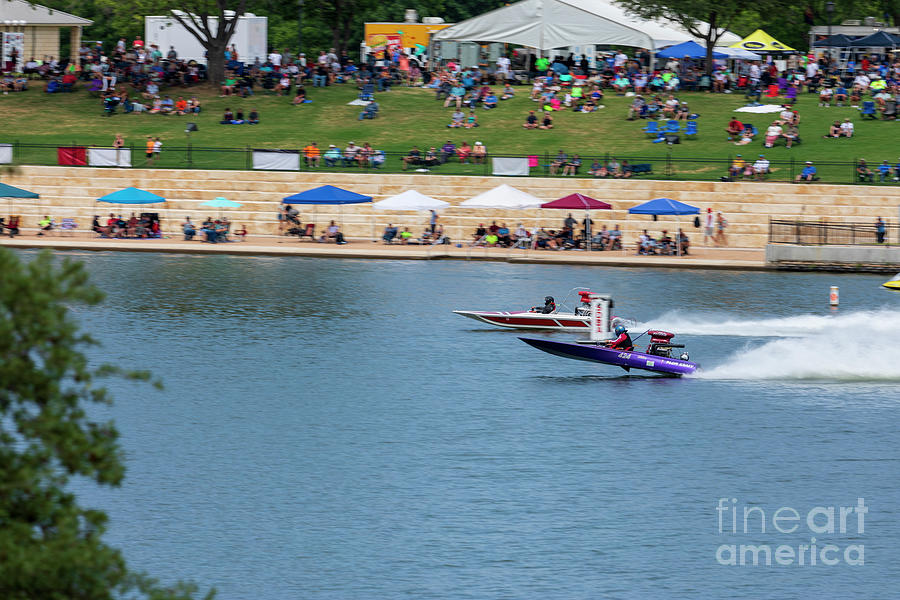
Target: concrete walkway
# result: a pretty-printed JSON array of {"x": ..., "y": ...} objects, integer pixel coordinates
[{"x": 700, "y": 258}]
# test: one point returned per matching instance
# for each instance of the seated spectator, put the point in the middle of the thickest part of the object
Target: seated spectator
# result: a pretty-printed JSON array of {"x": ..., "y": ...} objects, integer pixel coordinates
[
  {"x": 503, "y": 236},
  {"x": 561, "y": 159},
  {"x": 332, "y": 156},
  {"x": 646, "y": 244},
  {"x": 299, "y": 96},
  {"x": 350, "y": 153},
  {"x": 615, "y": 239},
  {"x": 637, "y": 108},
  {"x": 390, "y": 232},
  {"x": 761, "y": 167},
  {"x": 228, "y": 85},
  {"x": 364, "y": 154},
  {"x": 734, "y": 129},
  {"x": 834, "y": 131},
  {"x": 471, "y": 120},
  {"x": 737, "y": 167},
  {"x": 284, "y": 84},
  {"x": 457, "y": 92},
  {"x": 238, "y": 117},
  {"x": 846, "y": 128},
  {"x": 773, "y": 132},
  {"x": 332, "y": 232},
  {"x": 479, "y": 153},
  {"x": 863, "y": 172},
  {"x": 669, "y": 107},
  {"x": 547, "y": 122},
  {"x": 464, "y": 152},
  {"x": 572, "y": 165},
  {"x": 626, "y": 169},
  {"x": 405, "y": 236},
  {"x": 413, "y": 157},
  {"x": 167, "y": 106},
  {"x": 456, "y": 120},
  {"x": 448, "y": 150},
  {"x": 531, "y": 121},
  {"x": 683, "y": 242},
  {"x": 188, "y": 229},
  {"x": 194, "y": 106},
  {"x": 479, "y": 234},
  {"x": 826, "y": 94},
  {"x": 840, "y": 95},
  {"x": 508, "y": 92},
  {"x": 746, "y": 136},
  {"x": 682, "y": 112},
  {"x": 312, "y": 155},
  {"x": 431, "y": 158},
  {"x": 489, "y": 101},
  {"x": 808, "y": 173},
  {"x": 181, "y": 106},
  {"x": 790, "y": 134},
  {"x": 884, "y": 171},
  {"x": 665, "y": 244},
  {"x": 253, "y": 117},
  {"x": 598, "y": 169},
  {"x": 227, "y": 117}
]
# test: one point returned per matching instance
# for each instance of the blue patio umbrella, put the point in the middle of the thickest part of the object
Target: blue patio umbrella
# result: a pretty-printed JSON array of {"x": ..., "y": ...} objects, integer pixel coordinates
[
  {"x": 131, "y": 195},
  {"x": 665, "y": 206},
  {"x": 221, "y": 202}
]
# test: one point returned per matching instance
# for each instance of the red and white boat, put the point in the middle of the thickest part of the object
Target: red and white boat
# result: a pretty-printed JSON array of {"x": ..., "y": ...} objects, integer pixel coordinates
[{"x": 558, "y": 319}]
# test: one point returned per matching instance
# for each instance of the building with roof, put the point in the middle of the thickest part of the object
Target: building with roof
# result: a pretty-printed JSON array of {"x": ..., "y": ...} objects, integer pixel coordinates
[{"x": 29, "y": 29}]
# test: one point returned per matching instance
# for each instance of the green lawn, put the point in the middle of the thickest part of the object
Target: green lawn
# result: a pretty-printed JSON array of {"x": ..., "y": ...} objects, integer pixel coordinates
[{"x": 412, "y": 116}]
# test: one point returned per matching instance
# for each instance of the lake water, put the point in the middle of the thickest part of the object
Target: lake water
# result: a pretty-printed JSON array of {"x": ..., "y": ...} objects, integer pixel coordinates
[{"x": 330, "y": 430}]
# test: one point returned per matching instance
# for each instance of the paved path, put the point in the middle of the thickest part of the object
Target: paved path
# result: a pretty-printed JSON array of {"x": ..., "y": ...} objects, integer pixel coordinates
[{"x": 703, "y": 258}]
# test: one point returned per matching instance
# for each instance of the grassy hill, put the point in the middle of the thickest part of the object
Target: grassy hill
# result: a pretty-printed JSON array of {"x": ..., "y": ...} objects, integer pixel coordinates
[{"x": 412, "y": 116}]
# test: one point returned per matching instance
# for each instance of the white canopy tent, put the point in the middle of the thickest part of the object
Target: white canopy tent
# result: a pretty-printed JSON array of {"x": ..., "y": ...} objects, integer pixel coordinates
[
  {"x": 503, "y": 196},
  {"x": 739, "y": 53},
  {"x": 548, "y": 24},
  {"x": 410, "y": 200}
]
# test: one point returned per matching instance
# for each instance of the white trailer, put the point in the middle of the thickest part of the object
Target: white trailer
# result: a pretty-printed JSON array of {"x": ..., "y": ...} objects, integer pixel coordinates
[{"x": 250, "y": 37}]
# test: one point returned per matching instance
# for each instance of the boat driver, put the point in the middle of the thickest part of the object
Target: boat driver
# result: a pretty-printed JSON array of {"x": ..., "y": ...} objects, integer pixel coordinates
[
  {"x": 549, "y": 306},
  {"x": 623, "y": 342}
]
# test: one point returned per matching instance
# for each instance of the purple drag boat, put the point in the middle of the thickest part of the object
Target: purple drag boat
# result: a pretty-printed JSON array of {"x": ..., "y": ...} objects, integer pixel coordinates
[
  {"x": 598, "y": 348},
  {"x": 657, "y": 359}
]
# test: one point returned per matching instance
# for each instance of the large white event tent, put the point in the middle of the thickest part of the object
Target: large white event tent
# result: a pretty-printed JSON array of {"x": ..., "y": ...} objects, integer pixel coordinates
[
  {"x": 548, "y": 24},
  {"x": 503, "y": 196}
]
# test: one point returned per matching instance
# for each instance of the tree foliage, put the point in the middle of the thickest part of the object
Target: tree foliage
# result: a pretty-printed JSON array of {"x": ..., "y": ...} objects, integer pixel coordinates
[{"x": 50, "y": 547}]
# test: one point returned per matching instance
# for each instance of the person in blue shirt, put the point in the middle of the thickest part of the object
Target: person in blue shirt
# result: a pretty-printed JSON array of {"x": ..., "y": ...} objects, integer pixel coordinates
[
  {"x": 884, "y": 170},
  {"x": 490, "y": 101},
  {"x": 840, "y": 94},
  {"x": 808, "y": 173}
]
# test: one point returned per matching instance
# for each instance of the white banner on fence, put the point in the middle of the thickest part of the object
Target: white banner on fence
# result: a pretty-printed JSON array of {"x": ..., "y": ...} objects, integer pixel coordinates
[
  {"x": 276, "y": 160},
  {"x": 6, "y": 154},
  {"x": 510, "y": 166},
  {"x": 109, "y": 157}
]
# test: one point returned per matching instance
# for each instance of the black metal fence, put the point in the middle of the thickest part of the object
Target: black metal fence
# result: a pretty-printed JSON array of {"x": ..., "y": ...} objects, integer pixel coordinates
[
  {"x": 820, "y": 233},
  {"x": 668, "y": 165}
]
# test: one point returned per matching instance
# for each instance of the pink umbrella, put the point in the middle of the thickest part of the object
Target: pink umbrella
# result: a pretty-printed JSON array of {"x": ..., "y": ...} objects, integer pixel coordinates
[{"x": 579, "y": 201}]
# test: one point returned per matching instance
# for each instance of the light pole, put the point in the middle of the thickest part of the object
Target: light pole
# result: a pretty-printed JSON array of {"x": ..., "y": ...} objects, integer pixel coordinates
[{"x": 829, "y": 9}]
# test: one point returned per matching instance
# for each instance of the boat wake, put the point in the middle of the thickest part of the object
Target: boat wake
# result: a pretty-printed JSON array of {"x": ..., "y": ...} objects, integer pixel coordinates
[
  {"x": 822, "y": 357},
  {"x": 882, "y": 321}
]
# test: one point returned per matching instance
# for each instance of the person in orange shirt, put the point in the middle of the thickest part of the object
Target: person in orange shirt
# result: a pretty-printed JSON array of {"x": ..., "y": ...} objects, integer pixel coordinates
[
  {"x": 181, "y": 106},
  {"x": 312, "y": 155},
  {"x": 149, "y": 149}
]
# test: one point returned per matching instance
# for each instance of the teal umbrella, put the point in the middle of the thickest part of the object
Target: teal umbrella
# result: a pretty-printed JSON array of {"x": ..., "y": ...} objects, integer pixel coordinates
[
  {"x": 221, "y": 202},
  {"x": 131, "y": 195},
  {"x": 10, "y": 192}
]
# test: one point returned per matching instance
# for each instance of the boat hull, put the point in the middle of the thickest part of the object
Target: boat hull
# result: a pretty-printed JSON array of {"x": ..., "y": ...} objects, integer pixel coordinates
[
  {"x": 529, "y": 320},
  {"x": 620, "y": 358}
]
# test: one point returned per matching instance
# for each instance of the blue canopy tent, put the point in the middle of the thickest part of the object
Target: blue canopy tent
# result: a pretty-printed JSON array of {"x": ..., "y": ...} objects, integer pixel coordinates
[
  {"x": 691, "y": 49},
  {"x": 665, "y": 206},
  {"x": 878, "y": 39},
  {"x": 839, "y": 40},
  {"x": 330, "y": 195},
  {"x": 131, "y": 195}
]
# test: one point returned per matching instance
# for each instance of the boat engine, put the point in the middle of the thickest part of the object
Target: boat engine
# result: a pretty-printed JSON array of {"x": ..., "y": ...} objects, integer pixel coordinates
[{"x": 661, "y": 344}]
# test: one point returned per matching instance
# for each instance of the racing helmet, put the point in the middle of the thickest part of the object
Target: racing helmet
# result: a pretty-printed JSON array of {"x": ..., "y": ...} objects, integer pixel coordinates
[
  {"x": 620, "y": 329},
  {"x": 549, "y": 300}
]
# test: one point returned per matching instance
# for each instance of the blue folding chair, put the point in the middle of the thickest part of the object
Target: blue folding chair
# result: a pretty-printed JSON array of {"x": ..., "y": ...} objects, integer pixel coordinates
[
  {"x": 690, "y": 131},
  {"x": 652, "y": 129},
  {"x": 868, "y": 109},
  {"x": 672, "y": 126}
]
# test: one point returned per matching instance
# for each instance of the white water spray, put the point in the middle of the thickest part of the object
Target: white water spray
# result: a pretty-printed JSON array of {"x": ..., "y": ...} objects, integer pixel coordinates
[{"x": 883, "y": 320}]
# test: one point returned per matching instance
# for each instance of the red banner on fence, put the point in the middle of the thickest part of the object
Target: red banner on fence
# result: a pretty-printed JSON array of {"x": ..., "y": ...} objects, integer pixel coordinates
[{"x": 75, "y": 156}]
